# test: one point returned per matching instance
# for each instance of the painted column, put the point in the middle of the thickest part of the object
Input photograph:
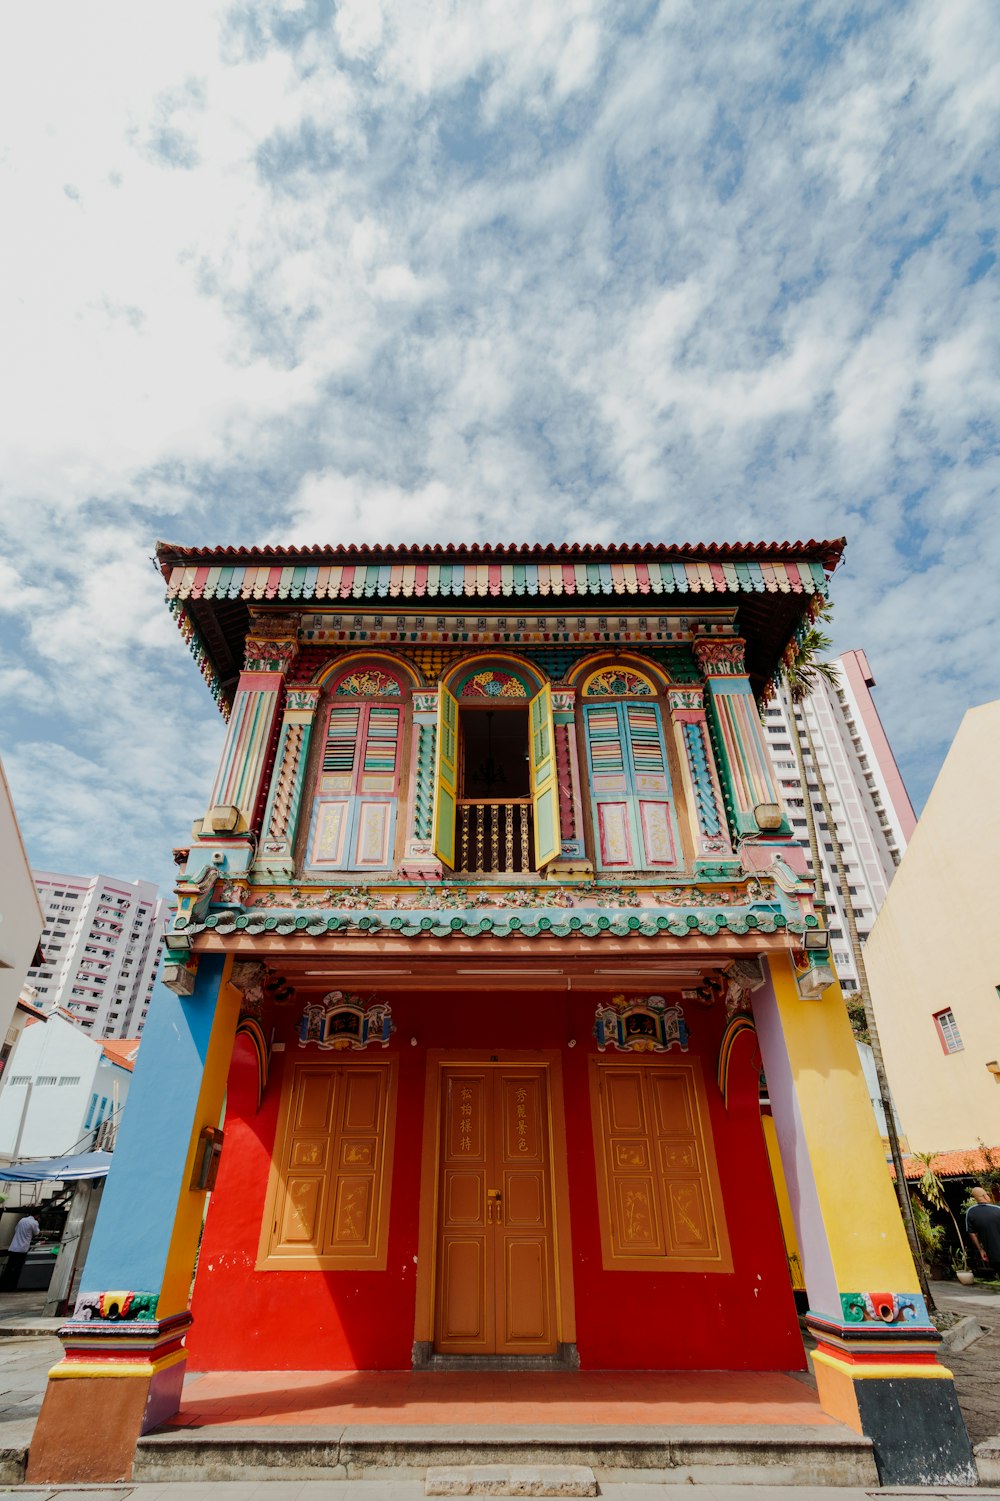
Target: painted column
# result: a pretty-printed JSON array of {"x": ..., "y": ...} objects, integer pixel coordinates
[
  {"x": 238, "y": 793},
  {"x": 419, "y": 861},
  {"x": 281, "y": 814},
  {"x": 875, "y": 1360},
  {"x": 572, "y": 860},
  {"x": 124, "y": 1358},
  {"x": 706, "y": 808},
  {"x": 745, "y": 765}
]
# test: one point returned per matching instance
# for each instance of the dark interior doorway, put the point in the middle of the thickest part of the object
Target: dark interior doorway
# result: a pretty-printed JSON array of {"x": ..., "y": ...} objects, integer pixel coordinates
[{"x": 494, "y": 763}]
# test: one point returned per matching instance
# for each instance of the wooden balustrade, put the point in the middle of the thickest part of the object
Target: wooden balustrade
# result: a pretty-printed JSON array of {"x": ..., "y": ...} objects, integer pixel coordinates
[{"x": 495, "y": 837}]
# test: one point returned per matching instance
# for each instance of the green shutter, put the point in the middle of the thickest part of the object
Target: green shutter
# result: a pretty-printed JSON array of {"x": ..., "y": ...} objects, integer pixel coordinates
[
  {"x": 445, "y": 778},
  {"x": 544, "y": 793}
]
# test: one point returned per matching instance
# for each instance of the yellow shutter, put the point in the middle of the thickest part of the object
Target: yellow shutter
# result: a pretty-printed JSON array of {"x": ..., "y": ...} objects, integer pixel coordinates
[
  {"x": 445, "y": 778},
  {"x": 544, "y": 793}
]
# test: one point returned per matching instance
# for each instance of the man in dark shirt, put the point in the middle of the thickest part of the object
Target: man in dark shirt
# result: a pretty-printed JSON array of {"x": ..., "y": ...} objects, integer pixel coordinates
[{"x": 982, "y": 1220}]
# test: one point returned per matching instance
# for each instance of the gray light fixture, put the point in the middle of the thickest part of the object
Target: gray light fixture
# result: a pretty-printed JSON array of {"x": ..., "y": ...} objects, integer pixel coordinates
[{"x": 768, "y": 817}]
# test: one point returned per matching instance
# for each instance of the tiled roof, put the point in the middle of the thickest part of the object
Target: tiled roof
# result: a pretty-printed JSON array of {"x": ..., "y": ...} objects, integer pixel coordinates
[
  {"x": 960, "y": 1164},
  {"x": 468, "y": 573},
  {"x": 121, "y": 1050},
  {"x": 771, "y": 588},
  {"x": 828, "y": 551},
  {"x": 497, "y": 923}
]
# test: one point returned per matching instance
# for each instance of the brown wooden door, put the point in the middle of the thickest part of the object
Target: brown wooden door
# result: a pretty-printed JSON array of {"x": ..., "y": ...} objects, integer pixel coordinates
[{"x": 495, "y": 1267}]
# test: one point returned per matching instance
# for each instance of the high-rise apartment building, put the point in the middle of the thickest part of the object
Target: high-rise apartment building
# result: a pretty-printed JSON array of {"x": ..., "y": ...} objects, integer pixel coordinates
[
  {"x": 868, "y": 801},
  {"x": 101, "y": 941}
]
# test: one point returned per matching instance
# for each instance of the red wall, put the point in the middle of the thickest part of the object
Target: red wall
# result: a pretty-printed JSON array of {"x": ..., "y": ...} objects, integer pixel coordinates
[{"x": 249, "y": 1320}]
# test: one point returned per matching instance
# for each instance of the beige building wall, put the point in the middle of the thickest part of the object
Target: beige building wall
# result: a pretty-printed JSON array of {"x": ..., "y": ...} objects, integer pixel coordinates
[
  {"x": 21, "y": 919},
  {"x": 936, "y": 946}
]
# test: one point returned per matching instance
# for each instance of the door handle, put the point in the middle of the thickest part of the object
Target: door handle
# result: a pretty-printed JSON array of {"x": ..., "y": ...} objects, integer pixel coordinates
[{"x": 494, "y": 1200}]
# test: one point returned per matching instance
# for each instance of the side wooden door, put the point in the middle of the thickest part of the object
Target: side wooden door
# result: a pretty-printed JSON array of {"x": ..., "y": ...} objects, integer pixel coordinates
[{"x": 495, "y": 1257}]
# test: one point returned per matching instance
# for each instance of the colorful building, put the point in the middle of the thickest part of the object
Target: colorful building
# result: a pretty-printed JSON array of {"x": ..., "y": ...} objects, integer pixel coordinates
[{"x": 492, "y": 915}]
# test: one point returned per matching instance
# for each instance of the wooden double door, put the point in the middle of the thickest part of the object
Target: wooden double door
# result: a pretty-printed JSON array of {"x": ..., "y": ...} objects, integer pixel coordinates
[{"x": 495, "y": 1284}]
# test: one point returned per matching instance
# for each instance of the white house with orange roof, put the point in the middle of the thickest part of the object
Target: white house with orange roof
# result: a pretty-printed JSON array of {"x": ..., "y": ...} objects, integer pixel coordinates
[{"x": 62, "y": 1091}]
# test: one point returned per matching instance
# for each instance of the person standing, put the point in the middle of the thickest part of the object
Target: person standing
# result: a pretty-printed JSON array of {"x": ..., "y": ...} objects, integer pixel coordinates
[
  {"x": 982, "y": 1221},
  {"x": 24, "y": 1234}
]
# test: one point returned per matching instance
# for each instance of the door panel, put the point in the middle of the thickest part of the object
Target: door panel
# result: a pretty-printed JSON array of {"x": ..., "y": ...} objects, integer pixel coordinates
[
  {"x": 463, "y": 1308},
  {"x": 496, "y": 1274}
]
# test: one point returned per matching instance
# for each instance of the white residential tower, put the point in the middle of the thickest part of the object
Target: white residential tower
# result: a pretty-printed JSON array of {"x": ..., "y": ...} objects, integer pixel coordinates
[
  {"x": 869, "y": 804},
  {"x": 101, "y": 941}
]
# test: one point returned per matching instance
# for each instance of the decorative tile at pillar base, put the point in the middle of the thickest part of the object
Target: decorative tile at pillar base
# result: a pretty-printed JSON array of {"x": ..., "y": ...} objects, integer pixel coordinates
[
  {"x": 140, "y": 1364},
  {"x": 876, "y": 1370}
]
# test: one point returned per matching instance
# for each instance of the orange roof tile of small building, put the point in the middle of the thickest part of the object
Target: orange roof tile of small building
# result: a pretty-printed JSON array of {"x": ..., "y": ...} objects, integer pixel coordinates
[
  {"x": 121, "y": 1050},
  {"x": 961, "y": 1164}
]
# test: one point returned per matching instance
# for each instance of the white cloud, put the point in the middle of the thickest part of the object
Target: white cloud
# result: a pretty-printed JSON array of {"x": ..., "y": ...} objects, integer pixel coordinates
[{"x": 528, "y": 270}]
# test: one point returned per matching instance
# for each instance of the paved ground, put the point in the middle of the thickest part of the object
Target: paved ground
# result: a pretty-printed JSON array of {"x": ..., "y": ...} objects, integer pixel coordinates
[
  {"x": 413, "y": 1490},
  {"x": 25, "y": 1361}
]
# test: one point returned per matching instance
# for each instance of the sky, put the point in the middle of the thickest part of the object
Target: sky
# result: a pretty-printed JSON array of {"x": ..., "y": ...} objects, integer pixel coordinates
[{"x": 540, "y": 270}]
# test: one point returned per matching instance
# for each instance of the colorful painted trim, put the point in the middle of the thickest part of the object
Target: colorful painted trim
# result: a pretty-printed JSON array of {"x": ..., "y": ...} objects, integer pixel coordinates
[
  {"x": 617, "y": 682},
  {"x": 488, "y": 683},
  {"x": 251, "y": 1028},
  {"x": 495, "y": 580},
  {"x": 739, "y": 1027},
  {"x": 368, "y": 682},
  {"x": 885, "y": 1308},
  {"x": 197, "y": 649}
]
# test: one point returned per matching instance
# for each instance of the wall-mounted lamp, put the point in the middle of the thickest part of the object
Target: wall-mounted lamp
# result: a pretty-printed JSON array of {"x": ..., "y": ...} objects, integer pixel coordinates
[
  {"x": 768, "y": 817},
  {"x": 224, "y": 819},
  {"x": 994, "y": 1068},
  {"x": 816, "y": 938}
]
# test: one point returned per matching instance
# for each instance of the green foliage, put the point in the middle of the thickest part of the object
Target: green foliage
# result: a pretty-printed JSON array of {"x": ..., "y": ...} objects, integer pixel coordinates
[
  {"x": 859, "y": 1019},
  {"x": 929, "y": 1234},
  {"x": 987, "y": 1176}
]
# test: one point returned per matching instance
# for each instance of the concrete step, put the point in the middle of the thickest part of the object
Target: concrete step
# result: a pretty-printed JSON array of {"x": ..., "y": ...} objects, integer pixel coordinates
[
  {"x": 510, "y": 1480},
  {"x": 745, "y": 1454}
]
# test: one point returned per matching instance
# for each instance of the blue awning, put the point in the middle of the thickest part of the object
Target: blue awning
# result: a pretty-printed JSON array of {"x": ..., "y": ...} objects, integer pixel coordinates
[{"x": 58, "y": 1169}]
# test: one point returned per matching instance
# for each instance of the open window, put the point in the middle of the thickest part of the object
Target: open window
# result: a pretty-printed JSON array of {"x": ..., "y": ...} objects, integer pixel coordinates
[{"x": 496, "y": 805}]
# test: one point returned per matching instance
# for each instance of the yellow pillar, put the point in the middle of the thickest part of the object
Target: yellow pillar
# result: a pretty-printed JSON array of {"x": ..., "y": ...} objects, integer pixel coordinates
[{"x": 875, "y": 1359}]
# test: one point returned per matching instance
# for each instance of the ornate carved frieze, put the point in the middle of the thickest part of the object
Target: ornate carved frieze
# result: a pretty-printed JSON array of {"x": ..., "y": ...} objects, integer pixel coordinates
[
  {"x": 883, "y": 1308},
  {"x": 267, "y": 655},
  {"x": 302, "y": 699},
  {"x": 459, "y": 898},
  {"x": 645, "y": 1024},
  {"x": 691, "y": 700},
  {"x": 721, "y": 657}
]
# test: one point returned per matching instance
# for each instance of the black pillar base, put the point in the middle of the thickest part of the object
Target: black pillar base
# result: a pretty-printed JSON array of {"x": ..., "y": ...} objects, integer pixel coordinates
[{"x": 917, "y": 1430}]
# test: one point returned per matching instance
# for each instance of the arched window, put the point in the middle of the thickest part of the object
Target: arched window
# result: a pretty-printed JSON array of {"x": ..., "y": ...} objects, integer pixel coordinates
[
  {"x": 357, "y": 787},
  {"x": 496, "y": 801},
  {"x": 629, "y": 774}
]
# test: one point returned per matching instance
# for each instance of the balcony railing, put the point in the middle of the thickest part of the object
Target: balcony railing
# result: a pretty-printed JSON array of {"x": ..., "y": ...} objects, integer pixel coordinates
[{"x": 495, "y": 838}]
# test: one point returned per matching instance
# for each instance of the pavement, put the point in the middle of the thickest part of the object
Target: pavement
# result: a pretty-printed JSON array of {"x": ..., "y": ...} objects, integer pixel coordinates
[{"x": 28, "y": 1348}]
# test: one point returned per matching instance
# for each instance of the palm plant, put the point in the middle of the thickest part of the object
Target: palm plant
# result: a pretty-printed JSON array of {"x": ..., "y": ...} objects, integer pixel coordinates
[
  {"x": 800, "y": 677},
  {"x": 932, "y": 1188}
]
